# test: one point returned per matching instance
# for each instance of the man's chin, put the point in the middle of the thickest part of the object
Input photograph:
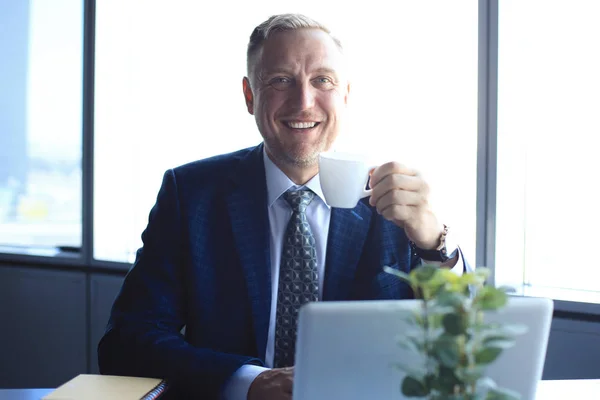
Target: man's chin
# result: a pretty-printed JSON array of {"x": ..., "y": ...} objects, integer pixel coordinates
[
  {"x": 303, "y": 160},
  {"x": 297, "y": 155}
]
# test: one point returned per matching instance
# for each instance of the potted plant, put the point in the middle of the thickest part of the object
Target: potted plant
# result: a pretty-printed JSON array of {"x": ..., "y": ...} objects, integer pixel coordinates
[{"x": 451, "y": 337}]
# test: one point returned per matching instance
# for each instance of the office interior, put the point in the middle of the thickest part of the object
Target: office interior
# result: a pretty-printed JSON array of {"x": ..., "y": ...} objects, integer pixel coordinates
[{"x": 55, "y": 300}]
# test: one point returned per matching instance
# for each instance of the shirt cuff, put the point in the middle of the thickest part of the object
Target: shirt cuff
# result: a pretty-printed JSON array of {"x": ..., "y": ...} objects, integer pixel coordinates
[
  {"x": 238, "y": 385},
  {"x": 458, "y": 268}
]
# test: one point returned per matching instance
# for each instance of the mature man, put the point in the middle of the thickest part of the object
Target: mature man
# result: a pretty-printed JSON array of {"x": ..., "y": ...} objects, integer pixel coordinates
[{"x": 216, "y": 253}]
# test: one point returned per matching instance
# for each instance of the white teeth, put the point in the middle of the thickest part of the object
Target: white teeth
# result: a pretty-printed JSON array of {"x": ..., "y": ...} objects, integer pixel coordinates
[{"x": 301, "y": 125}]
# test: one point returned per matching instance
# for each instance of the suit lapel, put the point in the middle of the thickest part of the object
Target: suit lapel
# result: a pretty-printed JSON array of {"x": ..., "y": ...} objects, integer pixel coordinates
[
  {"x": 247, "y": 205},
  {"x": 348, "y": 230}
]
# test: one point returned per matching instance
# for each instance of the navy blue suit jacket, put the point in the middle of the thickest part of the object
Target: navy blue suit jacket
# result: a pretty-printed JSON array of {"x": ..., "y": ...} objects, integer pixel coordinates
[{"x": 205, "y": 265}]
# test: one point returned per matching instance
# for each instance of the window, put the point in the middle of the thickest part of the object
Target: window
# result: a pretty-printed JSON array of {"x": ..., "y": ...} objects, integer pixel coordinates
[
  {"x": 548, "y": 102},
  {"x": 40, "y": 124},
  {"x": 169, "y": 91}
]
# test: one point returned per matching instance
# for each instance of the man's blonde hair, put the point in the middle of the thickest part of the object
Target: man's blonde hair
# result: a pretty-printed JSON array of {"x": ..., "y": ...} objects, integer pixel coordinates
[{"x": 279, "y": 23}]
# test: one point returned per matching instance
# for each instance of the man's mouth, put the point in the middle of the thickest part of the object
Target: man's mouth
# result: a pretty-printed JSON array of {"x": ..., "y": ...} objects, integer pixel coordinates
[{"x": 301, "y": 125}]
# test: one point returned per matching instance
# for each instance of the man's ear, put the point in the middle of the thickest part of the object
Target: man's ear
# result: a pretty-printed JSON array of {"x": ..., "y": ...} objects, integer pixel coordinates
[
  {"x": 248, "y": 95},
  {"x": 347, "y": 94}
]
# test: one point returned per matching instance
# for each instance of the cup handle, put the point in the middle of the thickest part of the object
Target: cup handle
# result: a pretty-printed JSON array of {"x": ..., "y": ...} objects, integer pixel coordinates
[{"x": 367, "y": 192}]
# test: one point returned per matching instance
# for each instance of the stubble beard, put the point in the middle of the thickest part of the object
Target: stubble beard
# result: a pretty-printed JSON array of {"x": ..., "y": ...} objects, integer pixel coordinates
[{"x": 295, "y": 157}]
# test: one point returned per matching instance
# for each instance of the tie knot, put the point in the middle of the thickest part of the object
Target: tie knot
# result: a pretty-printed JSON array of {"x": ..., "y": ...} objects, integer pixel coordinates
[{"x": 299, "y": 199}]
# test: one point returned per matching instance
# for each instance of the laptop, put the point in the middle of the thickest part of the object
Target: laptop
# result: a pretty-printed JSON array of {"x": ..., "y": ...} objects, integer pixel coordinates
[{"x": 346, "y": 350}]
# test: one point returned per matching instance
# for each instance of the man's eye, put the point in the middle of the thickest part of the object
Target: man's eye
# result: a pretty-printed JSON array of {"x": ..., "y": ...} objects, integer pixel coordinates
[
  {"x": 324, "y": 82},
  {"x": 281, "y": 82}
]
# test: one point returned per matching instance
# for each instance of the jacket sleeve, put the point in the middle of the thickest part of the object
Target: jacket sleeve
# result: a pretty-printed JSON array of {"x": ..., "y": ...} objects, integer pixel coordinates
[{"x": 143, "y": 336}]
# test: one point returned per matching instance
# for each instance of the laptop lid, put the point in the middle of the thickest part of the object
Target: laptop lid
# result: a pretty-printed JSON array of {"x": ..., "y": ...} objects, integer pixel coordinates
[{"x": 346, "y": 350}]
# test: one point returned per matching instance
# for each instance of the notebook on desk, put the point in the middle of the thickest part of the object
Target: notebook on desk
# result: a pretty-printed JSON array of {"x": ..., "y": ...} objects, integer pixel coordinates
[
  {"x": 102, "y": 387},
  {"x": 346, "y": 350}
]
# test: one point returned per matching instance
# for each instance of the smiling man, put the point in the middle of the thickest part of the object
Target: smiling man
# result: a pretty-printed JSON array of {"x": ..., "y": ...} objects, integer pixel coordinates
[{"x": 220, "y": 254}]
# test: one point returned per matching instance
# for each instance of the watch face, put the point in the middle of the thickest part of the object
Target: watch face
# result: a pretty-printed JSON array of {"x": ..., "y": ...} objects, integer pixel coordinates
[
  {"x": 431, "y": 255},
  {"x": 443, "y": 256}
]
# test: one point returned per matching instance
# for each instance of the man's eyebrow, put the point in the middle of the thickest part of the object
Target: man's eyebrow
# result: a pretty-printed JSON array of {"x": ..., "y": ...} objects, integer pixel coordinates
[
  {"x": 326, "y": 70},
  {"x": 276, "y": 70},
  {"x": 283, "y": 70}
]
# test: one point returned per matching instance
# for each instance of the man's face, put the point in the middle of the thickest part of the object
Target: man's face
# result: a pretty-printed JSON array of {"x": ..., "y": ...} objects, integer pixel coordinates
[{"x": 297, "y": 93}]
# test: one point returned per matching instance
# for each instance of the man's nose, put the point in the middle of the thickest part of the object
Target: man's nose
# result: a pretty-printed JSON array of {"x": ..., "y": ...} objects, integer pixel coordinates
[{"x": 304, "y": 96}]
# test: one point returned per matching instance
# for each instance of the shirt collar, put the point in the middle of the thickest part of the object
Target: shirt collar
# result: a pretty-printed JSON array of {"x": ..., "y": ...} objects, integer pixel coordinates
[{"x": 278, "y": 183}]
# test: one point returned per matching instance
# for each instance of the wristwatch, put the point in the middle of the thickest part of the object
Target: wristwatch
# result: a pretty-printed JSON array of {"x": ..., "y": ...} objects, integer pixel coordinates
[{"x": 443, "y": 252}]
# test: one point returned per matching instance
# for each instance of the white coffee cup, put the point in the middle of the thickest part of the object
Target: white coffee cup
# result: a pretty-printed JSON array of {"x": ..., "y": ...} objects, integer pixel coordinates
[{"x": 344, "y": 178}]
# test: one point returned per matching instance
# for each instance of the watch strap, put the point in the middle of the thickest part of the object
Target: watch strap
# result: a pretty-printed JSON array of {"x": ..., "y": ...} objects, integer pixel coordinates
[{"x": 439, "y": 254}]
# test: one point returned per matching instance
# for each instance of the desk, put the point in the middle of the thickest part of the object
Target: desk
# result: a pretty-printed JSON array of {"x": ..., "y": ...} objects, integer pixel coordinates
[
  {"x": 23, "y": 394},
  {"x": 548, "y": 390},
  {"x": 567, "y": 389}
]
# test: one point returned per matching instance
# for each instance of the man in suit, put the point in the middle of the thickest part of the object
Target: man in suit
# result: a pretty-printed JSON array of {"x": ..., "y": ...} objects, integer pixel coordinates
[{"x": 219, "y": 249}]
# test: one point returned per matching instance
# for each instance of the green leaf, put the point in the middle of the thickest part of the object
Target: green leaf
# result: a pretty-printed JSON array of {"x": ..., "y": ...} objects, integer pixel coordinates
[
  {"x": 447, "y": 351},
  {"x": 470, "y": 375},
  {"x": 423, "y": 274},
  {"x": 419, "y": 319},
  {"x": 487, "y": 355},
  {"x": 441, "y": 310},
  {"x": 411, "y": 343},
  {"x": 483, "y": 272},
  {"x": 430, "y": 380},
  {"x": 412, "y": 387},
  {"x": 400, "y": 274},
  {"x": 435, "y": 324},
  {"x": 512, "y": 329},
  {"x": 505, "y": 343},
  {"x": 489, "y": 335},
  {"x": 490, "y": 328},
  {"x": 485, "y": 384},
  {"x": 446, "y": 380},
  {"x": 473, "y": 279},
  {"x": 502, "y": 394},
  {"x": 455, "y": 324},
  {"x": 490, "y": 298},
  {"x": 450, "y": 299},
  {"x": 507, "y": 289}
]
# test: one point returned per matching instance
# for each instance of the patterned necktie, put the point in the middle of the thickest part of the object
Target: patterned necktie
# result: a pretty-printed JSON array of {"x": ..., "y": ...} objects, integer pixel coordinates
[{"x": 298, "y": 279}]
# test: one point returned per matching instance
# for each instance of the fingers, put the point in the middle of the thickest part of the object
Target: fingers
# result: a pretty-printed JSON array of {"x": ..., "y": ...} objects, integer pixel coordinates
[
  {"x": 399, "y": 189},
  {"x": 399, "y": 193},
  {"x": 389, "y": 169},
  {"x": 273, "y": 384},
  {"x": 403, "y": 200},
  {"x": 397, "y": 181},
  {"x": 287, "y": 379}
]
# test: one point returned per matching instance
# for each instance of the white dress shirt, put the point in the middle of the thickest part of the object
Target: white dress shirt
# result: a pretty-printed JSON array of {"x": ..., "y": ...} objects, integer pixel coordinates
[{"x": 318, "y": 214}]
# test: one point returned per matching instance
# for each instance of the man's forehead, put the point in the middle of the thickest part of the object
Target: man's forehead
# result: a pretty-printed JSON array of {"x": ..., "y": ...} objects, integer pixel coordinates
[{"x": 306, "y": 48}]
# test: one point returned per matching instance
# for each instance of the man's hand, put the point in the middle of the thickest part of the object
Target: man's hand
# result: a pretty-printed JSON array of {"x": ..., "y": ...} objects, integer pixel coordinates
[
  {"x": 401, "y": 195},
  {"x": 274, "y": 384}
]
